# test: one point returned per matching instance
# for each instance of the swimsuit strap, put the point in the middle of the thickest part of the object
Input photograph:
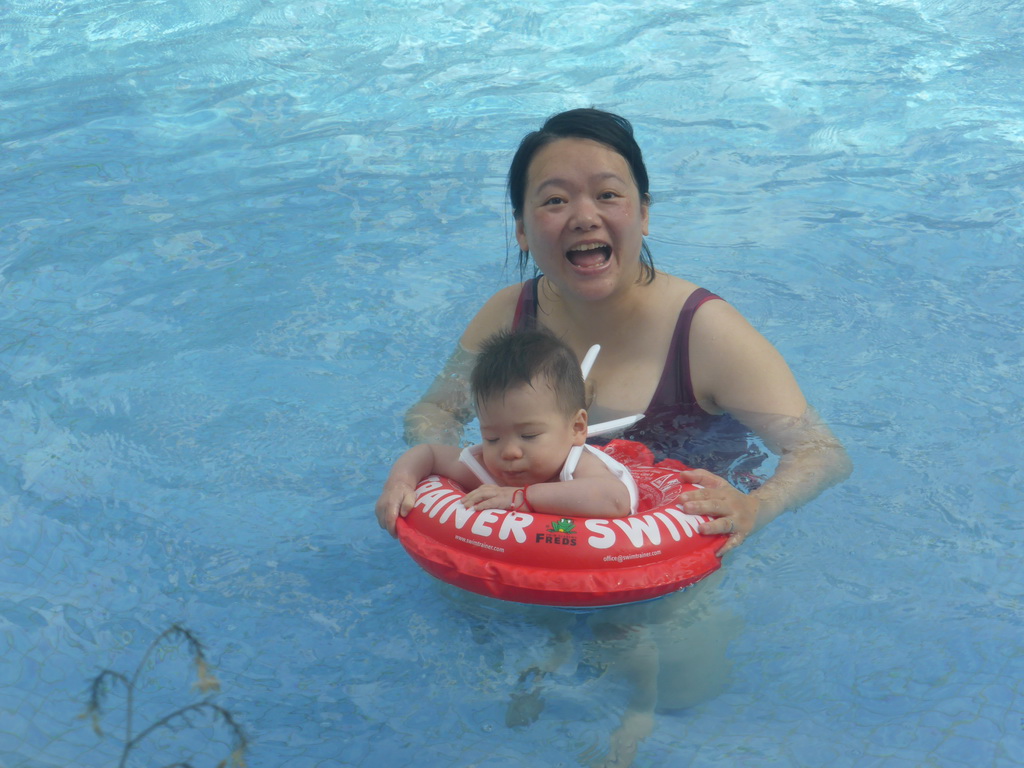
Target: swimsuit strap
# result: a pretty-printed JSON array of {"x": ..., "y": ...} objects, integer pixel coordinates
[
  {"x": 469, "y": 458},
  {"x": 614, "y": 466},
  {"x": 675, "y": 389},
  {"x": 571, "y": 461},
  {"x": 525, "y": 316}
]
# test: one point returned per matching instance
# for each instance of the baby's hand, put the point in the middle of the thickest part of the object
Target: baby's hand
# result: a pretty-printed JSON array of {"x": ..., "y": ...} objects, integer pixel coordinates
[
  {"x": 492, "y": 497},
  {"x": 396, "y": 499}
]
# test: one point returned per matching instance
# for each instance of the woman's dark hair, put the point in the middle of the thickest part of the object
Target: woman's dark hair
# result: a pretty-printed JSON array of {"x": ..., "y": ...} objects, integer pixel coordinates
[
  {"x": 510, "y": 359},
  {"x": 605, "y": 128}
]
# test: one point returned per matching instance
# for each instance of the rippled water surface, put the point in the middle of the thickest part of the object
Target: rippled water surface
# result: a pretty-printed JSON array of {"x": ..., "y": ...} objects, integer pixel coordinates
[{"x": 237, "y": 239}]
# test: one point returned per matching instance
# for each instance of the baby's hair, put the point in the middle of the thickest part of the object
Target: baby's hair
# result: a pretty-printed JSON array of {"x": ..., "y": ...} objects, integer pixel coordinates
[{"x": 509, "y": 359}]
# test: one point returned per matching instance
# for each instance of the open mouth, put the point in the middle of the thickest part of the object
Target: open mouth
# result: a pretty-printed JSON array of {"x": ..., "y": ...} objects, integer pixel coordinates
[{"x": 589, "y": 255}]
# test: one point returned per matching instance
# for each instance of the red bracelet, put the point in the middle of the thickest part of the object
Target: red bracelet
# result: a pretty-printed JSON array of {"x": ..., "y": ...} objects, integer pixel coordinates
[
  {"x": 526, "y": 501},
  {"x": 519, "y": 507}
]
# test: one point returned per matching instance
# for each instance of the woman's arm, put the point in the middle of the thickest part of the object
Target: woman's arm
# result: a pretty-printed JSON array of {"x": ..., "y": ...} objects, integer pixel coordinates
[
  {"x": 736, "y": 370},
  {"x": 811, "y": 459},
  {"x": 445, "y": 407}
]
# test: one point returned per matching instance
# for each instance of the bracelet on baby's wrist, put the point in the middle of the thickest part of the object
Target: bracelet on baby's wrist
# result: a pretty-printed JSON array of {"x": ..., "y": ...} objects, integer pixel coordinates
[{"x": 525, "y": 501}]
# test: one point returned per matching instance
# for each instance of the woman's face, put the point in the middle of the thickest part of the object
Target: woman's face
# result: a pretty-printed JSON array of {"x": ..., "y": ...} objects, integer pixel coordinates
[{"x": 582, "y": 219}]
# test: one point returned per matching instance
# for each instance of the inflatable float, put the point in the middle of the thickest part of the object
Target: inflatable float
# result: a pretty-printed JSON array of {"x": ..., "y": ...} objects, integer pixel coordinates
[{"x": 569, "y": 562}]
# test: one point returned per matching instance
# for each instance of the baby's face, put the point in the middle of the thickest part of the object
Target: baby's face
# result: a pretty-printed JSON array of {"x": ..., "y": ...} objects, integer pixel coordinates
[{"x": 526, "y": 435}]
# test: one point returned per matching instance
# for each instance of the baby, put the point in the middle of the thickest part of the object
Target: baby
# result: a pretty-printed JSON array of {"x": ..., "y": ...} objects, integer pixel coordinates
[{"x": 531, "y": 403}]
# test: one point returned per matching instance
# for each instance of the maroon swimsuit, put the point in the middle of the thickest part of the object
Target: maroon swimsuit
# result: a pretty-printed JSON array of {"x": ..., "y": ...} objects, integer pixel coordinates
[{"x": 674, "y": 424}]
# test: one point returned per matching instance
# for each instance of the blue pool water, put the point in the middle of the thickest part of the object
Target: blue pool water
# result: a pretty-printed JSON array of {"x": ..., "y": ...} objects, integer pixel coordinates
[{"x": 237, "y": 239}]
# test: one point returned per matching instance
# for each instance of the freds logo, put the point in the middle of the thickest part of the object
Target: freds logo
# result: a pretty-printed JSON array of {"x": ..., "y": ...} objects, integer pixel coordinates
[{"x": 561, "y": 532}]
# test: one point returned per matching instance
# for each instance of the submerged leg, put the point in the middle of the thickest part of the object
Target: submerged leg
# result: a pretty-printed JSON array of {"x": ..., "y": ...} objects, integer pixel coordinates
[
  {"x": 671, "y": 653},
  {"x": 630, "y": 651},
  {"x": 693, "y": 631},
  {"x": 526, "y": 703}
]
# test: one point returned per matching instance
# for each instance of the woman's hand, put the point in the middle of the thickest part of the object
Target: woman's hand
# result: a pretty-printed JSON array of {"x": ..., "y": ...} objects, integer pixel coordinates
[
  {"x": 734, "y": 512},
  {"x": 493, "y": 497},
  {"x": 396, "y": 499}
]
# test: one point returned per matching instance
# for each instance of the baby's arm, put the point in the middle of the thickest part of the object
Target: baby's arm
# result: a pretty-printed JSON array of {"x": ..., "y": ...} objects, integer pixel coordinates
[
  {"x": 399, "y": 493},
  {"x": 594, "y": 492}
]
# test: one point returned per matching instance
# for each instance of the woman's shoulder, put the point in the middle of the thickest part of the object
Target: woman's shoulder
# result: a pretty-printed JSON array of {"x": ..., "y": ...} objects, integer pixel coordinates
[
  {"x": 671, "y": 292},
  {"x": 495, "y": 315},
  {"x": 734, "y": 368}
]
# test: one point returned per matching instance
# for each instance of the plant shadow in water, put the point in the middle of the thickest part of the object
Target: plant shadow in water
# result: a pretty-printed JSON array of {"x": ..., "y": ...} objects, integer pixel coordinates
[{"x": 184, "y": 717}]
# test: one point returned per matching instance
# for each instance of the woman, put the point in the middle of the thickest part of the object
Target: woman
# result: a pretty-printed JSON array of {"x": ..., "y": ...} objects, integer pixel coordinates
[
  {"x": 700, "y": 374},
  {"x": 669, "y": 349}
]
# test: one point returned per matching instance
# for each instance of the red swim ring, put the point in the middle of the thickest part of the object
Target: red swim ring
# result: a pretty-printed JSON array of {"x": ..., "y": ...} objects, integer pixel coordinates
[{"x": 576, "y": 562}]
